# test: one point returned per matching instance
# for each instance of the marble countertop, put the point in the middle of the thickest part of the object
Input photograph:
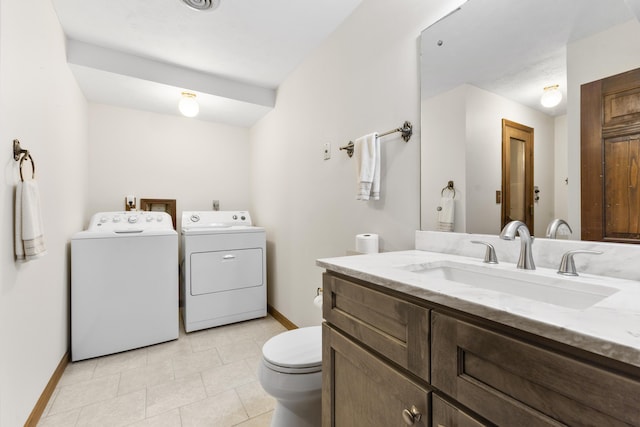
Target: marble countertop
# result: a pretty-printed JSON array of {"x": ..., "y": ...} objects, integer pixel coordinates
[{"x": 610, "y": 327}]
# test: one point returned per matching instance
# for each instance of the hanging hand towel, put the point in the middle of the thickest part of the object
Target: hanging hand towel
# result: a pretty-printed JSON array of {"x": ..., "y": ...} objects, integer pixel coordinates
[
  {"x": 446, "y": 214},
  {"x": 29, "y": 232},
  {"x": 367, "y": 153}
]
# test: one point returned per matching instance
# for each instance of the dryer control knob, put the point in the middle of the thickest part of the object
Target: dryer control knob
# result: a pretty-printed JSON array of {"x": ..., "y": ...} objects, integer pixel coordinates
[
  {"x": 194, "y": 218},
  {"x": 104, "y": 219},
  {"x": 132, "y": 219},
  {"x": 116, "y": 219},
  {"x": 149, "y": 218},
  {"x": 235, "y": 217},
  {"x": 159, "y": 218}
]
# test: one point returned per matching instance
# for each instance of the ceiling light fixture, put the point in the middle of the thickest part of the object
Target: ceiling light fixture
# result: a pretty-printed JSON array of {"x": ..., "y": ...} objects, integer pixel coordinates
[
  {"x": 202, "y": 4},
  {"x": 188, "y": 105},
  {"x": 551, "y": 96}
]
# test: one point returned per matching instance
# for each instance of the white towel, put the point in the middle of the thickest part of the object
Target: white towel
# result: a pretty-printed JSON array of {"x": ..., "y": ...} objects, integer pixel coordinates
[
  {"x": 367, "y": 151},
  {"x": 446, "y": 214},
  {"x": 29, "y": 232}
]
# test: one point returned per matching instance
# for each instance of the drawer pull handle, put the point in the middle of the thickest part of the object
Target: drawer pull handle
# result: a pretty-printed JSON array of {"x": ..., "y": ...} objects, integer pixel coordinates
[
  {"x": 228, "y": 257},
  {"x": 411, "y": 416}
]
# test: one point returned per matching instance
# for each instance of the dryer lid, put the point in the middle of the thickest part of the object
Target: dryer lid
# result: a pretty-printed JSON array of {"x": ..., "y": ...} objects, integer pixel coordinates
[{"x": 298, "y": 348}]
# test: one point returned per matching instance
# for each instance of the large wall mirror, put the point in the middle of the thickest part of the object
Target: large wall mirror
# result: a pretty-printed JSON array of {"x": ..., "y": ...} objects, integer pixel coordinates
[{"x": 490, "y": 61}]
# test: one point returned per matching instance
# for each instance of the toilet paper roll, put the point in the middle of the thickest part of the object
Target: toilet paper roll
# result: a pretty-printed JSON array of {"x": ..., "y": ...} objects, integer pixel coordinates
[{"x": 367, "y": 243}]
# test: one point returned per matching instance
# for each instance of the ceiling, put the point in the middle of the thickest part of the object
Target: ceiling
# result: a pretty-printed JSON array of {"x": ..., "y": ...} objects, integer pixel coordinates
[
  {"x": 514, "y": 50},
  {"x": 142, "y": 54}
]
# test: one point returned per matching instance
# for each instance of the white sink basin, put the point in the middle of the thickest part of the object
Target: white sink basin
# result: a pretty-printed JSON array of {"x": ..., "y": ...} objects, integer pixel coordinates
[{"x": 565, "y": 292}]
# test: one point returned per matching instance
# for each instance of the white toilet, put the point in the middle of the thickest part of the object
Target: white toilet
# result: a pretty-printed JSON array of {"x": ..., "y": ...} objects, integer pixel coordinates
[{"x": 291, "y": 372}]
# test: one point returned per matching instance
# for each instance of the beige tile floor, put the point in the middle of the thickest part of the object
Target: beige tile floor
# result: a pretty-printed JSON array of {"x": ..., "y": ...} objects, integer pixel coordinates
[{"x": 205, "y": 378}]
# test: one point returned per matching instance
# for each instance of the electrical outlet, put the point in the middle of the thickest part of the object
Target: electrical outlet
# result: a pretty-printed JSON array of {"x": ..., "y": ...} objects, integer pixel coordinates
[
  {"x": 327, "y": 150},
  {"x": 216, "y": 205}
]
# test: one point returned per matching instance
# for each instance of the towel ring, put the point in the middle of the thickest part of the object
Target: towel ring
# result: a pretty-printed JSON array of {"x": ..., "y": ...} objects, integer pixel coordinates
[
  {"x": 449, "y": 187},
  {"x": 33, "y": 166}
]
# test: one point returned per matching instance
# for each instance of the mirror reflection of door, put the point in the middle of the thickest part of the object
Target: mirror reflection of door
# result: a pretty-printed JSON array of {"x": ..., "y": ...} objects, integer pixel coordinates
[
  {"x": 610, "y": 158},
  {"x": 517, "y": 173}
]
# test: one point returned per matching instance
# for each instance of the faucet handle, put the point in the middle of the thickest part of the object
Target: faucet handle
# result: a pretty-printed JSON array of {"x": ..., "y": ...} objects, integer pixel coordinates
[
  {"x": 568, "y": 266},
  {"x": 490, "y": 254}
]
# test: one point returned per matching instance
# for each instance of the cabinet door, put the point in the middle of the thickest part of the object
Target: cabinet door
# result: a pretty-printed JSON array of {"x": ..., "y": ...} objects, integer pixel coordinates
[
  {"x": 510, "y": 382},
  {"x": 360, "y": 390},
  {"x": 447, "y": 415},
  {"x": 396, "y": 329}
]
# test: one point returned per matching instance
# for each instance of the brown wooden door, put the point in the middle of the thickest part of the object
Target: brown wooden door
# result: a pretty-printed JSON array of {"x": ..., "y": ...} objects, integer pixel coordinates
[
  {"x": 517, "y": 173},
  {"x": 610, "y": 157}
]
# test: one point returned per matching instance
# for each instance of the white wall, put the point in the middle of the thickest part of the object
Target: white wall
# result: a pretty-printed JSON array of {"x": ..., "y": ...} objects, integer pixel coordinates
[
  {"x": 364, "y": 78},
  {"x": 158, "y": 156},
  {"x": 444, "y": 155},
  {"x": 605, "y": 54},
  {"x": 470, "y": 119},
  {"x": 41, "y": 105},
  {"x": 561, "y": 169}
]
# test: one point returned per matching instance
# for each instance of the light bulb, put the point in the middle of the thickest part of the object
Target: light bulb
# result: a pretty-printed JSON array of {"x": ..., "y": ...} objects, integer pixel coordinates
[
  {"x": 551, "y": 96},
  {"x": 188, "y": 105}
]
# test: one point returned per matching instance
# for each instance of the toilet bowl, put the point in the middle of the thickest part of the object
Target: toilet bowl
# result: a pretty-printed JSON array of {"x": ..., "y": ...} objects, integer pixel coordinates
[{"x": 291, "y": 372}]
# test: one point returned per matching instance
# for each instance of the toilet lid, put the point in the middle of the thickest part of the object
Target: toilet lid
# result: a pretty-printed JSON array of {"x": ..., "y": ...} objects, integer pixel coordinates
[{"x": 296, "y": 349}]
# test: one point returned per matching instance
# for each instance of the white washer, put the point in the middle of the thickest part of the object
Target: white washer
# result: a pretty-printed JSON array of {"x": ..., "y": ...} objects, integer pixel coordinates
[
  {"x": 224, "y": 272},
  {"x": 124, "y": 283}
]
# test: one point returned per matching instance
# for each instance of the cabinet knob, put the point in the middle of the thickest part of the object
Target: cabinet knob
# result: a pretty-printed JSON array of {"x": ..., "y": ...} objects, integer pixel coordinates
[{"x": 411, "y": 416}]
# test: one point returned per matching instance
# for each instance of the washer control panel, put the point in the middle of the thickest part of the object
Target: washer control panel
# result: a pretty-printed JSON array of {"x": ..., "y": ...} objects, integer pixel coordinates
[
  {"x": 215, "y": 219},
  {"x": 130, "y": 221}
]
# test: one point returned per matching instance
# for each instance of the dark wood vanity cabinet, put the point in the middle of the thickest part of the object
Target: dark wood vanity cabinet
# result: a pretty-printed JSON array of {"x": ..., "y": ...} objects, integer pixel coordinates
[
  {"x": 512, "y": 382},
  {"x": 384, "y": 357},
  {"x": 375, "y": 367},
  {"x": 364, "y": 391}
]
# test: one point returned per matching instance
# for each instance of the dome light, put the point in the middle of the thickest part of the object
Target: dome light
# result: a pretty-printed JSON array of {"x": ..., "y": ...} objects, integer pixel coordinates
[
  {"x": 551, "y": 96},
  {"x": 188, "y": 105}
]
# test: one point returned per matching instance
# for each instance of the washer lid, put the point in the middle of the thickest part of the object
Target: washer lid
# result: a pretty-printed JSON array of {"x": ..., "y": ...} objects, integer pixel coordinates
[{"x": 299, "y": 348}]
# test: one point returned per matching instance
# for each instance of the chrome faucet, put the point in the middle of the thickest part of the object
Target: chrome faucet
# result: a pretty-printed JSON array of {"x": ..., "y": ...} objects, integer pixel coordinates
[
  {"x": 552, "y": 229},
  {"x": 526, "y": 256}
]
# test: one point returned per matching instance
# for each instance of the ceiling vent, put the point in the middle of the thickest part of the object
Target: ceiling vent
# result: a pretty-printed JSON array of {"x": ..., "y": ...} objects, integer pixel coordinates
[{"x": 202, "y": 4}]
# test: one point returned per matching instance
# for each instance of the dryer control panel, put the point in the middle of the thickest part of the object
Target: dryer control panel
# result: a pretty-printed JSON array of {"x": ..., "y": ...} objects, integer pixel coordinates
[
  {"x": 130, "y": 221},
  {"x": 215, "y": 219}
]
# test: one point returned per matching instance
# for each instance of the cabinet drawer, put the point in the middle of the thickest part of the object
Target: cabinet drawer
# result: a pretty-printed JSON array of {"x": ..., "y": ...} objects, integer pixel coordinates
[
  {"x": 360, "y": 390},
  {"x": 510, "y": 382},
  {"x": 447, "y": 415},
  {"x": 396, "y": 329}
]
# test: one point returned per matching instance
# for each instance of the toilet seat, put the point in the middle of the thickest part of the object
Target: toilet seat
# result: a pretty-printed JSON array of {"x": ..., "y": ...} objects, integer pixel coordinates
[{"x": 298, "y": 351}]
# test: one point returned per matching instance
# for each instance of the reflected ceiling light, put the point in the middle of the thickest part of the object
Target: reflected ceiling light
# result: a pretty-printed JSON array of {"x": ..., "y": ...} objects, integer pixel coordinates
[
  {"x": 202, "y": 4},
  {"x": 188, "y": 105},
  {"x": 551, "y": 96}
]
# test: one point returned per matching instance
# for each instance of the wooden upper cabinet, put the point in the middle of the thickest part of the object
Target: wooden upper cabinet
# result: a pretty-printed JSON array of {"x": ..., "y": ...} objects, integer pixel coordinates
[{"x": 610, "y": 157}]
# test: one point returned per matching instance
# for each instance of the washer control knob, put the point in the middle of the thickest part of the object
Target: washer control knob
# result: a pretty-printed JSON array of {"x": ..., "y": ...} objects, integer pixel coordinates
[
  {"x": 116, "y": 219},
  {"x": 235, "y": 217},
  {"x": 243, "y": 217},
  {"x": 149, "y": 218},
  {"x": 104, "y": 219},
  {"x": 132, "y": 219},
  {"x": 159, "y": 218},
  {"x": 194, "y": 218}
]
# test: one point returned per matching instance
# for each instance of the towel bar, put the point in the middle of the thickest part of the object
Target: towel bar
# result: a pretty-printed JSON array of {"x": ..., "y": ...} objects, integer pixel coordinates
[{"x": 406, "y": 129}]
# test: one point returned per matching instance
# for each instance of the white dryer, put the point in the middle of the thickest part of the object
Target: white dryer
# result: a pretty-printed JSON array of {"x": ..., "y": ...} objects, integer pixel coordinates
[
  {"x": 124, "y": 283},
  {"x": 224, "y": 273}
]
